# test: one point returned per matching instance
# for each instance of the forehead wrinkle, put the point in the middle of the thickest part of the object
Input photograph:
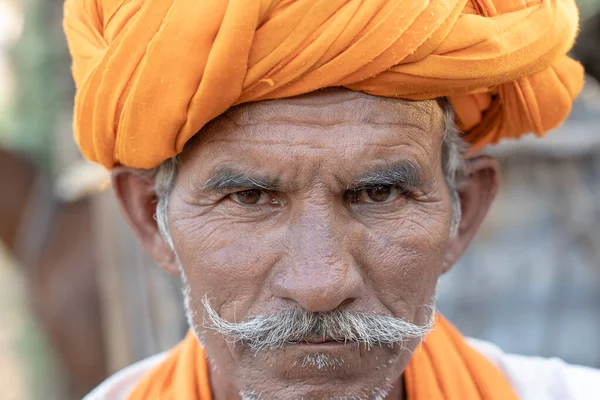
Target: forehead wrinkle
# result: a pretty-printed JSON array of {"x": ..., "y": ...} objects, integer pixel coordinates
[
  {"x": 247, "y": 141},
  {"x": 228, "y": 131},
  {"x": 365, "y": 109},
  {"x": 311, "y": 144},
  {"x": 262, "y": 142},
  {"x": 433, "y": 107},
  {"x": 314, "y": 123}
]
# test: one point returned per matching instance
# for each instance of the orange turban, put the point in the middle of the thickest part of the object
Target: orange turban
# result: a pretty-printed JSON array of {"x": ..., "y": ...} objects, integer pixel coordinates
[{"x": 151, "y": 74}]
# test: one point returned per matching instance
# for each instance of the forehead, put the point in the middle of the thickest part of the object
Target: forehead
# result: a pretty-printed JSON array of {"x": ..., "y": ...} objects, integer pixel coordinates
[
  {"x": 338, "y": 106},
  {"x": 329, "y": 124}
]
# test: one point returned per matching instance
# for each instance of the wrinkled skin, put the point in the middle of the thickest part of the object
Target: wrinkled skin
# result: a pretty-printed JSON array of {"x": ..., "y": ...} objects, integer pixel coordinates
[{"x": 310, "y": 242}]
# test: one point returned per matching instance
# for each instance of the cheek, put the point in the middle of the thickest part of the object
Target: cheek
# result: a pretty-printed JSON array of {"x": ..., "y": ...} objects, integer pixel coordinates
[
  {"x": 228, "y": 261},
  {"x": 403, "y": 259}
]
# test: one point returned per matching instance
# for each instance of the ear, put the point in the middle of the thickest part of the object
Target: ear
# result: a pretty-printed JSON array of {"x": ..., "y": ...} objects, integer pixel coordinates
[
  {"x": 137, "y": 200},
  {"x": 477, "y": 189}
]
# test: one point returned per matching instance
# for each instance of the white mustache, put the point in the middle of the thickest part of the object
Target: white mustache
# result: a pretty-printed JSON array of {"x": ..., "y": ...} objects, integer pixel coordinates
[{"x": 295, "y": 325}]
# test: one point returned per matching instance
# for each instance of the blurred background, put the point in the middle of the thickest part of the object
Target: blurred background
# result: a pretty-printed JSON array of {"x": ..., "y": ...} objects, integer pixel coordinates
[{"x": 79, "y": 300}]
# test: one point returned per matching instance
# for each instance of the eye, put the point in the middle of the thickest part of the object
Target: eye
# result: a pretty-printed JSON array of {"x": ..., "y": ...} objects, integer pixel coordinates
[
  {"x": 379, "y": 194},
  {"x": 253, "y": 197},
  {"x": 376, "y": 194}
]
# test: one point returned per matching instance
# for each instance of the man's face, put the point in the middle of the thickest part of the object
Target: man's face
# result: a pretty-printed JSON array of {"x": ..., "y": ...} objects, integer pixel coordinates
[{"x": 334, "y": 201}]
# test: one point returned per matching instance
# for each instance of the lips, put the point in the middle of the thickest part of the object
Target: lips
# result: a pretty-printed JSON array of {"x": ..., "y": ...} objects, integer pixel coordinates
[{"x": 319, "y": 340}]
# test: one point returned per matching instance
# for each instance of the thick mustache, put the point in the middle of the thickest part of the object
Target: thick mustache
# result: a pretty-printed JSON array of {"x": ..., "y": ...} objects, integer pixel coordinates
[{"x": 296, "y": 325}]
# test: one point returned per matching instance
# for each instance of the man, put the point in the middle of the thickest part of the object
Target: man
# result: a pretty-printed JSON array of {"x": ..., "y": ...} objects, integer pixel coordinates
[{"x": 298, "y": 164}]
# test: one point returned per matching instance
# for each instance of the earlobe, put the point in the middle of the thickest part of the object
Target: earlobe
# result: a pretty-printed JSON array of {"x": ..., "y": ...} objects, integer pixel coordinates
[
  {"x": 137, "y": 200},
  {"x": 477, "y": 190}
]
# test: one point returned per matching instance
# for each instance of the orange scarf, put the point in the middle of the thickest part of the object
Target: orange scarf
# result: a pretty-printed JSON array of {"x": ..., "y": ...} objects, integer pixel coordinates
[
  {"x": 443, "y": 368},
  {"x": 151, "y": 73}
]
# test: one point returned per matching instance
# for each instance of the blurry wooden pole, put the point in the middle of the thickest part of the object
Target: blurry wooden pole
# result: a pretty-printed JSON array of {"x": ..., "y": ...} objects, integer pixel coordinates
[{"x": 141, "y": 304}]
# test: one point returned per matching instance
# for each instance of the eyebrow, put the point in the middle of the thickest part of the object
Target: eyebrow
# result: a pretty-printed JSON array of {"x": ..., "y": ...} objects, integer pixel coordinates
[
  {"x": 402, "y": 173},
  {"x": 227, "y": 178}
]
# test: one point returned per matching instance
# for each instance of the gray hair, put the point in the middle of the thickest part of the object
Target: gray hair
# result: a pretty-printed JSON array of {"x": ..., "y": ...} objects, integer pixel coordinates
[
  {"x": 453, "y": 149},
  {"x": 295, "y": 325}
]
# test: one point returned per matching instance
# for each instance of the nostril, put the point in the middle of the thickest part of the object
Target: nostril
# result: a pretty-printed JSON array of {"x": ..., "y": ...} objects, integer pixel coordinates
[{"x": 345, "y": 303}]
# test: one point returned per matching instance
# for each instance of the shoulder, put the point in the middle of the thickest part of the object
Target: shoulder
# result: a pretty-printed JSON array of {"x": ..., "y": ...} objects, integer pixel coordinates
[
  {"x": 535, "y": 378},
  {"x": 118, "y": 386}
]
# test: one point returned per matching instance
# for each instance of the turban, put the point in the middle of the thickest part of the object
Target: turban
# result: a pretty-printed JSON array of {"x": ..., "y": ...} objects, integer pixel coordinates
[{"x": 151, "y": 74}]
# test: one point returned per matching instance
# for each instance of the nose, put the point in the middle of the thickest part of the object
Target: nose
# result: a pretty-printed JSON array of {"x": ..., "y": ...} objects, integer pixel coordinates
[{"x": 319, "y": 272}]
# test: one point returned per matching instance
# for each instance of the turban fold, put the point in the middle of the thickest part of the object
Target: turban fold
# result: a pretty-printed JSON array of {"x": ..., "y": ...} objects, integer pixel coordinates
[{"x": 151, "y": 74}]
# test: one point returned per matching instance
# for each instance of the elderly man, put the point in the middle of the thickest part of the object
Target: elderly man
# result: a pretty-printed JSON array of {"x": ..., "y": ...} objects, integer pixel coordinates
[{"x": 309, "y": 168}]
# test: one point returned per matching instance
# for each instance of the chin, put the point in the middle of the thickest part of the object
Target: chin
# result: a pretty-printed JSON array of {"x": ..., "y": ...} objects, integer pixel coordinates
[
  {"x": 326, "y": 371},
  {"x": 341, "y": 391}
]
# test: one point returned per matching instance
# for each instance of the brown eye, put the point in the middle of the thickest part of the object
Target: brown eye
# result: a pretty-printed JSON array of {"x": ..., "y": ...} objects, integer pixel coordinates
[
  {"x": 379, "y": 194},
  {"x": 249, "y": 197}
]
